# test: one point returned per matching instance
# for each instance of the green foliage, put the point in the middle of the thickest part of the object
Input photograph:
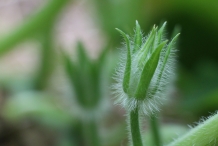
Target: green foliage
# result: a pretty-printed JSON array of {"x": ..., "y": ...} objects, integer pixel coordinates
[
  {"x": 147, "y": 71},
  {"x": 87, "y": 77},
  {"x": 143, "y": 79},
  {"x": 143, "y": 75},
  {"x": 33, "y": 26},
  {"x": 39, "y": 107}
]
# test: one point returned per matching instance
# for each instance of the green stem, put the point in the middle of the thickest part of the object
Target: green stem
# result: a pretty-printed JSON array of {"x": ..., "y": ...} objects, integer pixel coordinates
[
  {"x": 32, "y": 26},
  {"x": 91, "y": 133},
  {"x": 202, "y": 135},
  {"x": 47, "y": 59},
  {"x": 155, "y": 131},
  {"x": 135, "y": 128}
]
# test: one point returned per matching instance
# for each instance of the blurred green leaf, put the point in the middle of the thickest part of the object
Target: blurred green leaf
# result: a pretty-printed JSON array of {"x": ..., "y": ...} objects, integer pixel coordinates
[
  {"x": 82, "y": 57},
  {"x": 89, "y": 78},
  {"x": 32, "y": 26},
  {"x": 39, "y": 107}
]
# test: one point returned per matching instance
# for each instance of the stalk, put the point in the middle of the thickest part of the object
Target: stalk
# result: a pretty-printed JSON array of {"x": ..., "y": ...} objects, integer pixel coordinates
[
  {"x": 135, "y": 128},
  {"x": 91, "y": 134},
  {"x": 156, "y": 137},
  {"x": 47, "y": 59},
  {"x": 204, "y": 134}
]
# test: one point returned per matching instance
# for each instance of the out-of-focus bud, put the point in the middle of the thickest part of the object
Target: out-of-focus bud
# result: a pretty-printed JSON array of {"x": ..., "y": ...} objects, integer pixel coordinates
[{"x": 89, "y": 80}]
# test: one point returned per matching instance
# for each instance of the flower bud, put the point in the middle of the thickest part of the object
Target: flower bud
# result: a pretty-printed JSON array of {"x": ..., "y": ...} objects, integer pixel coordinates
[{"x": 145, "y": 70}]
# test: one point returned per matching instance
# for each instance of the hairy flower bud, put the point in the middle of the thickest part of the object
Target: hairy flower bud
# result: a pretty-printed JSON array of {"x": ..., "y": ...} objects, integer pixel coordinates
[{"x": 145, "y": 70}]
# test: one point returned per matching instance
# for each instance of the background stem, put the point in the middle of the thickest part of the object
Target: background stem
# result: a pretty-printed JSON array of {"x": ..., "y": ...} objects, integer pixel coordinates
[
  {"x": 154, "y": 124},
  {"x": 47, "y": 59},
  {"x": 91, "y": 133},
  {"x": 32, "y": 26},
  {"x": 135, "y": 128}
]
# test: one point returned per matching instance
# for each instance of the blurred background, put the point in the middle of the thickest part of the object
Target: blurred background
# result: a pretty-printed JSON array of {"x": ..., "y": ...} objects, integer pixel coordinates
[{"x": 57, "y": 59}]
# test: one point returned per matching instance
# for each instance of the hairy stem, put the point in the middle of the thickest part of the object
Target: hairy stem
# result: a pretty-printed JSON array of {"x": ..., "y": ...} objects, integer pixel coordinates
[
  {"x": 135, "y": 128},
  {"x": 204, "y": 134},
  {"x": 154, "y": 123}
]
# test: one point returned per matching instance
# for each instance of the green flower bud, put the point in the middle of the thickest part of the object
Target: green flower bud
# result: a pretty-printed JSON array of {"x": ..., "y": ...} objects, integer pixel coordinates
[{"x": 145, "y": 70}]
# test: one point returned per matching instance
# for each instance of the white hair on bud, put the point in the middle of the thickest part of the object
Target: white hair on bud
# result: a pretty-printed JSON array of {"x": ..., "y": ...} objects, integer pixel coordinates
[{"x": 151, "y": 103}]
